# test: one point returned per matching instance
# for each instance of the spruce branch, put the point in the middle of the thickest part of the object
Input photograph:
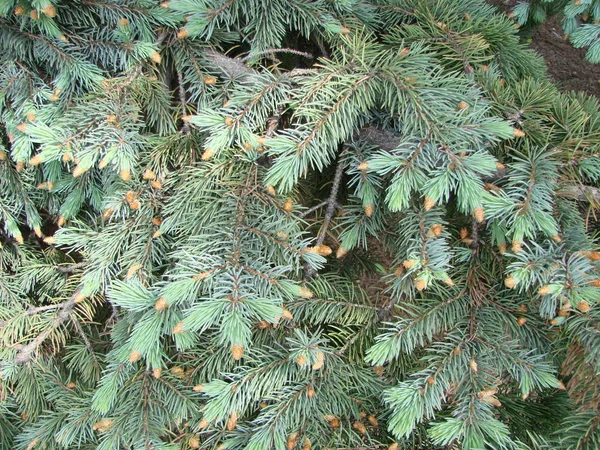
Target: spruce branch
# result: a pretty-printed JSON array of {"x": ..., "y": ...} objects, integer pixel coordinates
[{"x": 25, "y": 352}]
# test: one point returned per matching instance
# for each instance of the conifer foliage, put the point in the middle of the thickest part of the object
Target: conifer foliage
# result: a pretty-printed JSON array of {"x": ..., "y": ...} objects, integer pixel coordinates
[{"x": 292, "y": 224}]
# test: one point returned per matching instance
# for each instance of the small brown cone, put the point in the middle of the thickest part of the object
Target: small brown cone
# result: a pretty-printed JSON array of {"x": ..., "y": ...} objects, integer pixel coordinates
[
  {"x": 373, "y": 421},
  {"x": 288, "y": 205},
  {"x": 203, "y": 423},
  {"x": 521, "y": 321},
  {"x": 71, "y": 385},
  {"x": 148, "y": 175},
  {"x": 463, "y": 233},
  {"x": 156, "y": 184},
  {"x": 310, "y": 391},
  {"x": 237, "y": 351},
  {"x": 462, "y": 105},
  {"x": 210, "y": 80},
  {"x": 35, "y": 161},
  {"x": 287, "y": 314},
  {"x": 157, "y": 372},
  {"x": 19, "y": 10},
  {"x": 369, "y": 209},
  {"x": 161, "y": 304},
  {"x": 271, "y": 190},
  {"x": 301, "y": 360},
  {"x": 502, "y": 248},
  {"x": 157, "y": 221},
  {"x": 183, "y": 33},
  {"x": 198, "y": 388}
]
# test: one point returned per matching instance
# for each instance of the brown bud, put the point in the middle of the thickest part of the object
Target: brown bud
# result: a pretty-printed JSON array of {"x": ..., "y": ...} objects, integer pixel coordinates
[
  {"x": 393, "y": 446},
  {"x": 305, "y": 293},
  {"x": 319, "y": 360},
  {"x": 34, "y": 14},
  {"x": 183, "y": 33},
  {"x": 134, "y": 356},
  {"x": 71, "y": 385},
  {"x": 50, "y": 240},
  {"x": 310, "y": 391},
  {"x": 510, "y": 282},
  {"x": 148, "y": 175},
  {"x": 583, "y": 306},
  {"x": 373, "y": 421},
  {"x": 369, "y": 209},
  {"x": 228, "y": 121},
  {"x": 208, "y": 153},
  {"x": 301, "y": 360},
  {"x": 360, "y": 427},
  {"x": 203, "y": 423},
  {"x": 178, "y": 328},
  {"x": 31, "y": 116},
  {"x": 409, "y": 263},
  {"x": 157, "y": 221},
  {"x": 341, "y": 252},
  {"x": 237, "y": 351},
  {"x": 429, "y": 203},
  {"x": 288, "y": 205},
  {"x": 420, "y": 284},
  {"x": 210, "y": 80},
  {"x": 49, "y": 10},
  {"x": 463, "y": 233},
  {"x": 271, "y": 190},
  {"x": 544, "y": 290},
  {"x": 479, "y": 214},
  {"x": 232, "y": 421},
  {"x": 287, "y": 314},
  {"x": 291, "y": 441},
  {"x": 462, "y": 105},
  {"x": 403, "y": 52},
  {"x": 473, "y": 365},
  {"x": 19, "y": 10},
  {"x": 157, "y": 372},
  {"x": 517, "y": 246},
  {"x": 521, "y": 321},
  {"x": 363, "y": 166},
  {"x": 125, "y": 174},
  {"x": 132, "y": 270},
  {"x": 502, "y": 248},
  {"x": 430, "y": 380},
  {"x": 436, "y": 230},
  {"x": 78, "y": 171},
  {"x": 156, "y": 184},
  {"x": 161, "y": 304},
  {"x": 156, "y": 57}
]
